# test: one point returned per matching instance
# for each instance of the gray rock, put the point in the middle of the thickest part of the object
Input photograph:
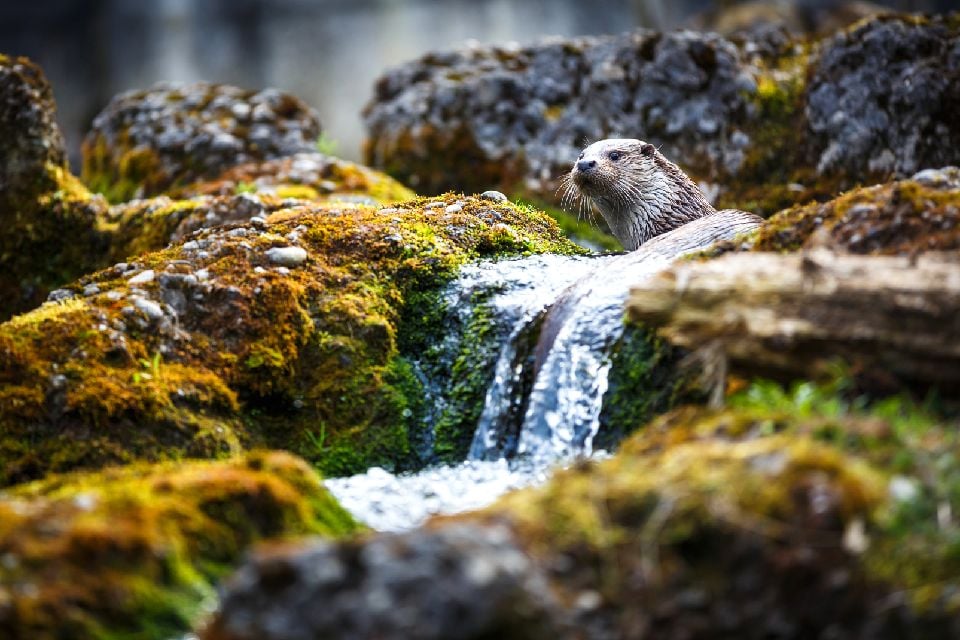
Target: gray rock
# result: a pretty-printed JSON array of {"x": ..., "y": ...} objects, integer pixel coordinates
[
  {"x": 495, "y": 196},
  {"x": 287, "y": 256},
  {"x": 465, "y": 582}
]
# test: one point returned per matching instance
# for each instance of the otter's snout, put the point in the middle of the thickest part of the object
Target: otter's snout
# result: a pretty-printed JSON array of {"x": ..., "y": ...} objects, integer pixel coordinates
[{"x": 586, "y": 165}]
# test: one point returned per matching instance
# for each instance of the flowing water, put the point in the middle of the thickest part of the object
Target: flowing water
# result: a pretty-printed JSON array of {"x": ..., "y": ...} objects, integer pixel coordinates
[{"x": 554, "y": 321}]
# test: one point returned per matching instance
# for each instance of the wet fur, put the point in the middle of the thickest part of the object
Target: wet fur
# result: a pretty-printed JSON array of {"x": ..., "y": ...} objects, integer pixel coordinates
[{"x": 641, "y": 195}]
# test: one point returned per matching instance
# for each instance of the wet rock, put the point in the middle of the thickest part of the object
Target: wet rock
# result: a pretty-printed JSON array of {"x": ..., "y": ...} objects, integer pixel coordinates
[
  {"x": 459, "y": 582},
  {"x": 220, "y": 357},
  {"x": 145, "y": 142},
  {"x": 154, "y": 537},
  {"x": 881, "y": 99}
]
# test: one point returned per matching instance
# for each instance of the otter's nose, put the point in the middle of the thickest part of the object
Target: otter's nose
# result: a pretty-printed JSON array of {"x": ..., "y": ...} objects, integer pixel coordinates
[{"x": 586, "y": 165}]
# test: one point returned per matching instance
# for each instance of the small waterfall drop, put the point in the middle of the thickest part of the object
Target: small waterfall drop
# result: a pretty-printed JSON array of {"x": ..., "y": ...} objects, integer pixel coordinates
[{"x": 555, "y": 321}]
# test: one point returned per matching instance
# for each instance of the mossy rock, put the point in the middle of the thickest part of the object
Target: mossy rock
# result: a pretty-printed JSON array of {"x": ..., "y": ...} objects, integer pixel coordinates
[
  {"x": 281, "y": 331},
  {"x": 135, "y": 552},
  {"x": 797, "y": 511},
  {"x": 145, "y": 142},
  {"x": 905, "y": 217},
  {"x": 306, "y": 176}
]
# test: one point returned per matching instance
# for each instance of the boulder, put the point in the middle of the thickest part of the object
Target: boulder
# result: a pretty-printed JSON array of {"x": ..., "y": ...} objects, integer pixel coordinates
[
  {"x": 213, "y": 344},
  {"x": 138, "y": 550},
  {"x": 145, "y": 142},
  {"x": 792, "y": 514},
  {"x": 759, "y": 127}
]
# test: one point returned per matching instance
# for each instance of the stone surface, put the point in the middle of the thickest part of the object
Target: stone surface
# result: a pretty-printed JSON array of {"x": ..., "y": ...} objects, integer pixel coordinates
[
  {"x": 882, "y": 98},
  {"x": 224, "y": 349},
  {"x": 760, "y": 125},
  {"x": 145, "y": 142},
  {"x": 141, "y": 548},
  {"x": 459, "y": 582},
  {"x": 793, "y": 514}
]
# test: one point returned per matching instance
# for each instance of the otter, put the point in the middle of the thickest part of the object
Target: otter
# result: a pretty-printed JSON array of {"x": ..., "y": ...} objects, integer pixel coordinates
[{"x": 638, "y": 191}]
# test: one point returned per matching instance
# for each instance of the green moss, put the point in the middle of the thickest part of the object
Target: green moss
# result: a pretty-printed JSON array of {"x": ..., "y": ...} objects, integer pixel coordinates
[
  {"x": 783, "y": 485},
  {"x": 646, "y": 379},
  {"x": 136, "y": 551},
  {"x": 591, "y": 233},
  {"x": 307, "y": 358}
]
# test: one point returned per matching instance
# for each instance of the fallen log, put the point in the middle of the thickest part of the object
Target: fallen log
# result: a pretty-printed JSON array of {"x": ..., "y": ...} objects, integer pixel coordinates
[{"x": 788, "y": 316}]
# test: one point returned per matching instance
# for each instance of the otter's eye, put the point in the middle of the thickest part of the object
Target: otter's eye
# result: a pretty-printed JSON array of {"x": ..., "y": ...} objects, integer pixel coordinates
[{"x": 614, "y": 155}]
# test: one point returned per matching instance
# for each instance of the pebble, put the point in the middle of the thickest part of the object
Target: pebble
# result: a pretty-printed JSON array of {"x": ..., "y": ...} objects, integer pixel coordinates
[
  {"x": 150, "y": 308},
  {"x": 142, "y": 278},
  {"x": 287, "y": 256},
  {"x": 60, "y": 294},
  {"x": 495, "y": 196},
  {"x": 91, "y": 290},
  {"x": 454, "y": 208}
]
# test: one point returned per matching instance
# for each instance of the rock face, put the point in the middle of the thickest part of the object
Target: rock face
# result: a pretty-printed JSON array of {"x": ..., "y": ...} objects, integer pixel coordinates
[
  {"x": 212, "y": 345},
  {"x": 518, "y": 117},
  {"x": 50, "y": 222},
  {"x": 145, "y": 142},
  {"x": 740, "y": 117},
  {"x": 32, "y": 144},
  {"x": 778, "y": 517},
  {"x": 136, "y": 550},
  {"x": 457, "y": 582},
  {"x": 882, "y": 98}
]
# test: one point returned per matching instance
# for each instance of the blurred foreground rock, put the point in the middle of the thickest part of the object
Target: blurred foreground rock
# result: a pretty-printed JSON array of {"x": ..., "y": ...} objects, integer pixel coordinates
[
  {"x": 135, "y": 551},
  {"x": 793, "y": 515}
]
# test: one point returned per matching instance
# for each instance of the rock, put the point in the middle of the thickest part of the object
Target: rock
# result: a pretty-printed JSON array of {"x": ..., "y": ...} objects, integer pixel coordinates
[
  {"x": 704, "y": 522},
  {"x": 881, "y": 98},
  {"x": 511, "y": 118},
  {"x": 141, "y": 278},
  {"x": 904, "y": 217},
  {"x": 31, "y": 139},
  {"x": 495, "y": 196},
  {"x": 154, "y": 537},
  {"x": 305, "y": 176},
  {"x": 460, "y": 582},
  {"x": 145, "y": 142},
  {"x": 759, "y": 125},
  {"x": 287, "y": 256},
  {"x": 49, "y": 220},
  {"x": 246, "y": 347}
]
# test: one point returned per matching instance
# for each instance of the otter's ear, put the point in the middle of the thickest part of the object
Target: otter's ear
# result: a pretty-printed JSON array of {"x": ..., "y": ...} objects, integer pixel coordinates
[{"x": 647, "y": 149}]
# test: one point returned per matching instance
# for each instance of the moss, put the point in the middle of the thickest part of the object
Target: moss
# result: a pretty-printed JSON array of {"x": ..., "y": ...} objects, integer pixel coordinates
[
  {"x": 646, "y": 379},
  {"x": 305, "y": 176},
  {"x": 136, "y": 551},
  {"x": 591, "y": 232},
  {"x": 473, "y": 370},
  {"x": 250, "y": 352},
  {"x": 781, "y": 486}
]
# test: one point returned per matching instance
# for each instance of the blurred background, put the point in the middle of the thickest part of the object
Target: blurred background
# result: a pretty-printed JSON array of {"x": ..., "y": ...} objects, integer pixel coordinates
[{"x": 328, "y": 52}]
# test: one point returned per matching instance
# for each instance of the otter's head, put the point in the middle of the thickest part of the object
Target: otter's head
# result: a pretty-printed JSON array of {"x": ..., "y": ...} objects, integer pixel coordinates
[{"x": 638, "y": 192}]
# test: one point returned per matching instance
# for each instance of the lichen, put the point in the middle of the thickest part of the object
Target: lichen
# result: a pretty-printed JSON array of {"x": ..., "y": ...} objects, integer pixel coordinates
[
  {"x": 136, "y": 551},
  {"x": 219, "y": 349}
]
